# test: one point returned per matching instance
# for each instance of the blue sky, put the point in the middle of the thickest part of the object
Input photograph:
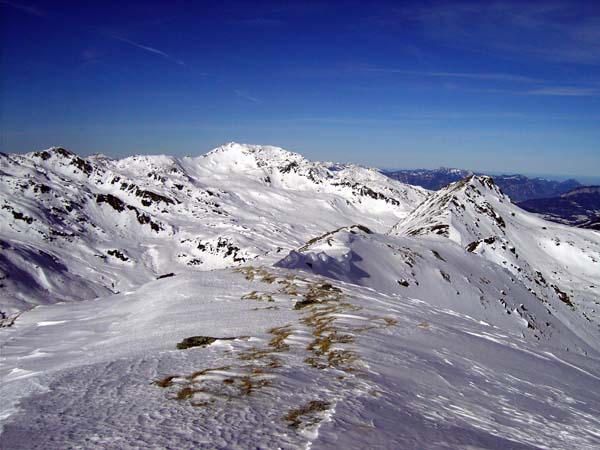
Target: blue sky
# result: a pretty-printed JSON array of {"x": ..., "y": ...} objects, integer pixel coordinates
[{"x": 491, "y": 86}]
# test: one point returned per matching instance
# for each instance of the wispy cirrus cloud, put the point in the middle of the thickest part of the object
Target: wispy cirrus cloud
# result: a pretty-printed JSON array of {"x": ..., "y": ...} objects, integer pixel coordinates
[
  {"x": 486, "y": 76},
  {"x": 28, "y": 9},
  {"x": 482, "y": 82},
  {"x": 542, "y": 91},
  {"x": 146, "y": 48},
  {"x": 86, "y": 55},
  {"x": 536, "y": 90},
  {"x": 246, "y": 96},
  {"x": 565, "y": 91},
  {"x": 556, "y": 31},
  {"x": 540, "y": 87},
  {"x": 367, "y": 70}
]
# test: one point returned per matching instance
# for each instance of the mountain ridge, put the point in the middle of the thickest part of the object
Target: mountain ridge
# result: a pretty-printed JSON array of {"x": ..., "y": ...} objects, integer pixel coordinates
[
  {"x": 557, "y": 262},
  {"x": 140, "y": 213},
  {"x": 251, "y": 297}
]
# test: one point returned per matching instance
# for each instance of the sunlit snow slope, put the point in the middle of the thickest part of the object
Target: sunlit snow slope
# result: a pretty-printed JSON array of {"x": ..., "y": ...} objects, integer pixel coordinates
[
  {"x": 558, "y": 264},
  {"x": 75, "y": 228},
  {"x": 356, "y": 369},
  {"x": 250, "y": 298}
]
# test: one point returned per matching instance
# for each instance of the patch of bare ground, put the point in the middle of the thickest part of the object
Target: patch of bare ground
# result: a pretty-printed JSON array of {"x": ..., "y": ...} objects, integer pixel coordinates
[
  {"x": 306, "y": 415},
  {"x": 333, "y": 323}
]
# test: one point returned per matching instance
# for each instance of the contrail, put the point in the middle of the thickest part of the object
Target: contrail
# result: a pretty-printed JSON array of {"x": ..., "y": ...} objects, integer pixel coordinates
[{"x": 148, "y": 49}]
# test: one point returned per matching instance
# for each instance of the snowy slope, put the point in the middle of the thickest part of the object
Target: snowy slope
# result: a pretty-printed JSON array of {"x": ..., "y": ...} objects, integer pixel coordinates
[
  {"x": 357, "y": 369},
  {"x": 441, "y": 273},
  {"x": 559, "y": 264},
  {"x": 444, "y": 320},
  {"x": 75, "y": 228}
]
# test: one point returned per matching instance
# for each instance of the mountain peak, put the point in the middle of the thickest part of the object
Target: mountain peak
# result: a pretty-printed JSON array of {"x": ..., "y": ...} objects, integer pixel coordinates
[
  {"x": 463, "y": 208},
  {"x": 484, "y": 181},
  {"x": 61, "y": 151},
  {"x": 234, "y": 156},
  {"x": 53, "y": 151},
  {"x": 237, "y": 148}
]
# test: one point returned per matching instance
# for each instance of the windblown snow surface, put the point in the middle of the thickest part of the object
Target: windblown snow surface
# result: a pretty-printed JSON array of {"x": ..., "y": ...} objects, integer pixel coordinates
[{"x": 331, "y": 307}]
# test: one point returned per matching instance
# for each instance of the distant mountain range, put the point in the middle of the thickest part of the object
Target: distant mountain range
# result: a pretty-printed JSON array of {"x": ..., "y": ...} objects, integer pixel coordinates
[
  {"x": 579, "y": 207},
  {"x": 518, "y": 187},
  {"x": 567, "y": 202}
]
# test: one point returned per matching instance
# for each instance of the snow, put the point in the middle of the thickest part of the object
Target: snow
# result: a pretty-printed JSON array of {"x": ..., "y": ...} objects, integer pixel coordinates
[
  {"x": 424, "y": 375},
  {"x": 167, "y": 214},
  {"x": 439, "y": 272},
  {"x": 349, "y": 310},
  {"x": 546, "y": 257}
]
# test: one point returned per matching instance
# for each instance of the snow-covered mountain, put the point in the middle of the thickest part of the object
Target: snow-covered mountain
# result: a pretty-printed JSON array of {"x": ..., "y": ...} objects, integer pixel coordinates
[
  {"x": 75, "y": 228},
  {"x": 557, "y": 263},
  {"x": 251, "y": 298},
  {"x": 441, "y": 272}
]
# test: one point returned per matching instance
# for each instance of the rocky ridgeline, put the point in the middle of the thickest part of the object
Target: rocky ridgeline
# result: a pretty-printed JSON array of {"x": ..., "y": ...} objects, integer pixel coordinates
[
  {"x": 226, "y": 207},
  {"x": 558, "y": 264}
]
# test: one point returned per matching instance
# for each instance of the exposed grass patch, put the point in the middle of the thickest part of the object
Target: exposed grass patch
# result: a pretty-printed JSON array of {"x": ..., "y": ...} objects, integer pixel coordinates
[
  {"x": 185, "y": 393},
  {"x": 322, "y": 344},
  {"x": 277, "y": 343},
  {"x": 249, "y": 385},
  {"x": 306, "y": 414},
  {"x": 254, "y": 353},
  {"x": 275, "y": 363},
  {"x": 251, "y": 273},
  {"x": 301, "y": 304},
  {"x": 195, "y": 341},
  {"x": 289, "y": 288},
  {"x": 315, "y": 363},
  {"x": 259, "y": 296},
  {"x": 256, "y": 364},
  {"x": 168, "y": 380},
  {"x": 320, "y": 320},
  {"x": 165, "y": 382},
  {"x": 248, "y": 272},
  {"x": 205, "y": 371},
  {"x": 267, "y": 277},
  {"x": 319, "y": 293},
  {"x": 341, "y": 358}
]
